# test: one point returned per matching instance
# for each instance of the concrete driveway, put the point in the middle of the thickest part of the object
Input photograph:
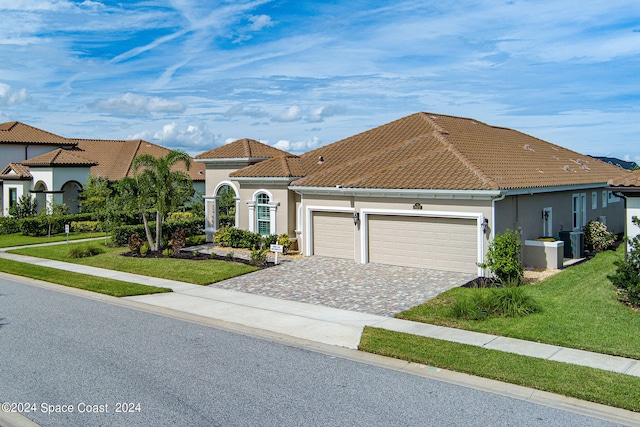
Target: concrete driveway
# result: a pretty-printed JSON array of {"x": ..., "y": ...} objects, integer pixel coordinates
[{"x": 369, "y": 288}]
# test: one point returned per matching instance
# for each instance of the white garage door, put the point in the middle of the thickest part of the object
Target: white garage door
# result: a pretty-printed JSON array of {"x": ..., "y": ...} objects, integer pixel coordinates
[
  {"x": 439, "y": 243},
  {"x": 333, "y": 234}
]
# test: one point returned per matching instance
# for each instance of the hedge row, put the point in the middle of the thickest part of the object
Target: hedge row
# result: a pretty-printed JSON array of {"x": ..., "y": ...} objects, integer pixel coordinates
[
  {"x": 191, "y": 227},
  {"x": 39, "y": 225}
]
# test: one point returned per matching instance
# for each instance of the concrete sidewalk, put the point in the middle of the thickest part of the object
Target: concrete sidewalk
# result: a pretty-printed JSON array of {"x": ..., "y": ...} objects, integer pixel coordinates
[{"x": 323, "y": 324}]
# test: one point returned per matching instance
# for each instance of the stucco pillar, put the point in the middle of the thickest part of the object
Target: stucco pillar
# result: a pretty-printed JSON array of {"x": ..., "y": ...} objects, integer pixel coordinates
[{"x": 251, "y": 205}]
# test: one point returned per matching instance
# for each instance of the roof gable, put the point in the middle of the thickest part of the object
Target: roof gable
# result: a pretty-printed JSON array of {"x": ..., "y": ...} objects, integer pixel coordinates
[
  {"x": 288, "y": 166},
  {"x": 15, "y": 171},
  {"x": 59, "y": 157},
  {"x": 20, "y": 133},
  {"x": 243, "y": 149}
]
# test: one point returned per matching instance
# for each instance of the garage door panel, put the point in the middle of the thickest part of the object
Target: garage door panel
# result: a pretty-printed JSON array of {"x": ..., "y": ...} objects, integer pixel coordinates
[
  {"x": 439, "y": 243},
  {"x": 333, "y": 234}
]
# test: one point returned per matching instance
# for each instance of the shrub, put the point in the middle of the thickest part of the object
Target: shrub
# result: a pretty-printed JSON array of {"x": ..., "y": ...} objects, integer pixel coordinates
[
  {"x": 627, "y": 276},
  {"x": 168, "y": 252},
  {"x": 144, "y": 249},
  {"x": 84, "y": 251},
  {"x": 503, "y": 257},
  {"x": 120, "y": 235},
  {"x": 258, "y": 257},
  {"x": 9, "y": 225},
  {"x": 271, "y": 239},
  {"x": 134, "y": 244},
  {"x": 178, "y": 240},
  {"x": 196, "y": 240},
  {"x": 285, "y": 241},
  {"x": 596, "y": 236},
  {"x": 85, "y": 226},
  {"x": 232, "y": 237},
  {"x": 508, "y": 301}
]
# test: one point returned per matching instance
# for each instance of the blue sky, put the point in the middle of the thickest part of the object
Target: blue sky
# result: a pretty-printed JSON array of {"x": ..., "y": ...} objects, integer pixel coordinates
[{"x": 194, "y": 75}]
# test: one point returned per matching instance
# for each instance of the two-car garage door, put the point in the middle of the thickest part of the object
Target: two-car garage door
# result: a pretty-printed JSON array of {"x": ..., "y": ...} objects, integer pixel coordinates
[
  {"x": 419, "y": 241},
  {"x": 414, "y": 241}
]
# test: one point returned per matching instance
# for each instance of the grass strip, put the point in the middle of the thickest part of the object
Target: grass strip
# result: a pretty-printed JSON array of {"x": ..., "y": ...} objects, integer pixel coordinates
[
  {"x": 101, "y": 285},
  {"x": 202, "y": 272},
  {"x": 595, "y": 385},
  {"x": 579, "y": 310},
  {"x": 17, "y": 239}
]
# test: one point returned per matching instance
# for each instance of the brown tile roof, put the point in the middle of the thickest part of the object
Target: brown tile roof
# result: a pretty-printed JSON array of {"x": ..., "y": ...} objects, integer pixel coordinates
[
  {"x": 243, "y": 149},
  {"x": 114, "y": 157},
  {"x": 288, "y": 166},
  {"x": 59, "y": 157},
  {"x": 17, "y": 132},
  {"x": 631, "y": 179},
  {"x": 432, "y": 151},
  {"x": 16, "y": 171}
]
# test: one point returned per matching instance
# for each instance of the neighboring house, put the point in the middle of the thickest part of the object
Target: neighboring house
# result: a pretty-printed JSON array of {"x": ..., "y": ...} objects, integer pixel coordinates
[
  {"x": 427, "y": 190},
  {"x": 617, "y": 162},
  {"x": 628, "y": 187},
  {"x": 53, "y": 169}
]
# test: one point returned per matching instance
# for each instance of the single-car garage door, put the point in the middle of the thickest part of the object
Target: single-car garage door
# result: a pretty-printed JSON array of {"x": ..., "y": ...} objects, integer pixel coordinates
[
  {"x": 333, "y": 234},
  {"x": 417, "y": 241}
]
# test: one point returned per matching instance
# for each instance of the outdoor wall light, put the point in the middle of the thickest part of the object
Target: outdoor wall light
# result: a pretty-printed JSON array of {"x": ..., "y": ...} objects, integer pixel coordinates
[
  {"x": 484, "y": 225},
  {"x": 356, "y": 218}
]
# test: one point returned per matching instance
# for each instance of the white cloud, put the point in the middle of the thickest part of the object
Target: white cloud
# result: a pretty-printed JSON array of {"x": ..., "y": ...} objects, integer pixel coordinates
[
  {"x": 194, "y": 136},
  {"x": 240, "y": 110},
  {"x": 258, "y": 22},
  {"x": 298, "y": 147},
  {"x": 319, "y": 114},
  {"x": 291, "y": 114},
  {"x": 9, "y": 97},
  {"x": 131, "y": 104}
]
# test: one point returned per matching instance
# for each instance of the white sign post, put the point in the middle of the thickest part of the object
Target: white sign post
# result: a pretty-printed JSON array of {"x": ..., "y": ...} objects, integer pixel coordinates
[
  {"x": 66, "y": 230},
  {"x": 276, "y": 249}
]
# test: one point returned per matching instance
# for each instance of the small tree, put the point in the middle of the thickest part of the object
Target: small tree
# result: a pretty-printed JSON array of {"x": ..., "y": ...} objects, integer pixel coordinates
[
  {"x": 161, "y": 187},
  {"x": 503, "y": 257},
  {"x": 26, "y": 207},
  {"x": 627, "y": 276}
]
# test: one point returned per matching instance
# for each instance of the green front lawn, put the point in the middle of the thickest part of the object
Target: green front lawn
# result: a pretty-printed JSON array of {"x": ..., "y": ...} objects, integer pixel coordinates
[
  {"x": 608, "y": 388},
  {"x": 201, "y": 272},
  {"x": 101, "y": 285},
  {"x": 579, "y": 310},
  {"x": 17, "y": 239}
]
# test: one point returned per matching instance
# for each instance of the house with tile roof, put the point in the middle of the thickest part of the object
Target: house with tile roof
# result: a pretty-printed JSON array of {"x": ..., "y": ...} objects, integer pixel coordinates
[
  {"x": 427, "y": 190},
  {"x": 53, "y": 169},
  {"x": 627, "y": 186}
]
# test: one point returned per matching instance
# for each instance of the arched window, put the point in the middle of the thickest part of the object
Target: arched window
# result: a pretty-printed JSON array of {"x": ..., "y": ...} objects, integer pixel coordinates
[{"x": 263, "y": 217}]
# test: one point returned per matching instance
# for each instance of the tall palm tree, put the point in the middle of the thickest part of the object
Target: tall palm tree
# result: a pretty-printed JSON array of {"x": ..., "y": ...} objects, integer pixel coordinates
[{"x": 163, "y": 188}]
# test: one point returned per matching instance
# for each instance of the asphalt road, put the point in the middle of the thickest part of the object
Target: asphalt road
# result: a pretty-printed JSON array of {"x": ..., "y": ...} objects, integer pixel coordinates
[{"x": 66, "y": 360}]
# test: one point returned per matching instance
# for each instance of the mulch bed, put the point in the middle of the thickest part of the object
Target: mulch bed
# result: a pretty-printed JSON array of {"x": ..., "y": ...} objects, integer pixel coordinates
[{"x": 188, "y": 255}]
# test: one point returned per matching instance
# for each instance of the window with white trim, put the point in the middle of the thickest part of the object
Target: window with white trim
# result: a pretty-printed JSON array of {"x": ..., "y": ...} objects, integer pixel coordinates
[
  {"x": 579, "y": 208},
  {"x": 594, "y": 200},
  {"x": 263, "y": 214},
  {"x": 604, "y": 198}
]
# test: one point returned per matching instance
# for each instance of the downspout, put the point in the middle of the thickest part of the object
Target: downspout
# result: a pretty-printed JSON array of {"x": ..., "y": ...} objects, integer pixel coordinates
[{"x": 493, "y": 213}]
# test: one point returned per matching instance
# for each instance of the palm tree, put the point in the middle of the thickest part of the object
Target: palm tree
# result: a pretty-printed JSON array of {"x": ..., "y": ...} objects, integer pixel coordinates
[{"x": 162, "y": 188}]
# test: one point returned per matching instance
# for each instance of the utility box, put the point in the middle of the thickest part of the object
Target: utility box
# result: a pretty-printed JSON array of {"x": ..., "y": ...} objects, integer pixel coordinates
[{"x": 573, "y": 244}]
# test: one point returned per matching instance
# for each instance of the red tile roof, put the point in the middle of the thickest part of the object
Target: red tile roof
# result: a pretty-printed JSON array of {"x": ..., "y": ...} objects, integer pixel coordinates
[
  {"x": 16, "y": 132},
  {"x": 16, "y": 171},
  {"x": 60, "y": 157},
  {"x": 243, "y": 149},
  {"x": 114, "y": 157},
  {"x": 433, "y": 151},
  {"x": 631, "y": 179}
]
